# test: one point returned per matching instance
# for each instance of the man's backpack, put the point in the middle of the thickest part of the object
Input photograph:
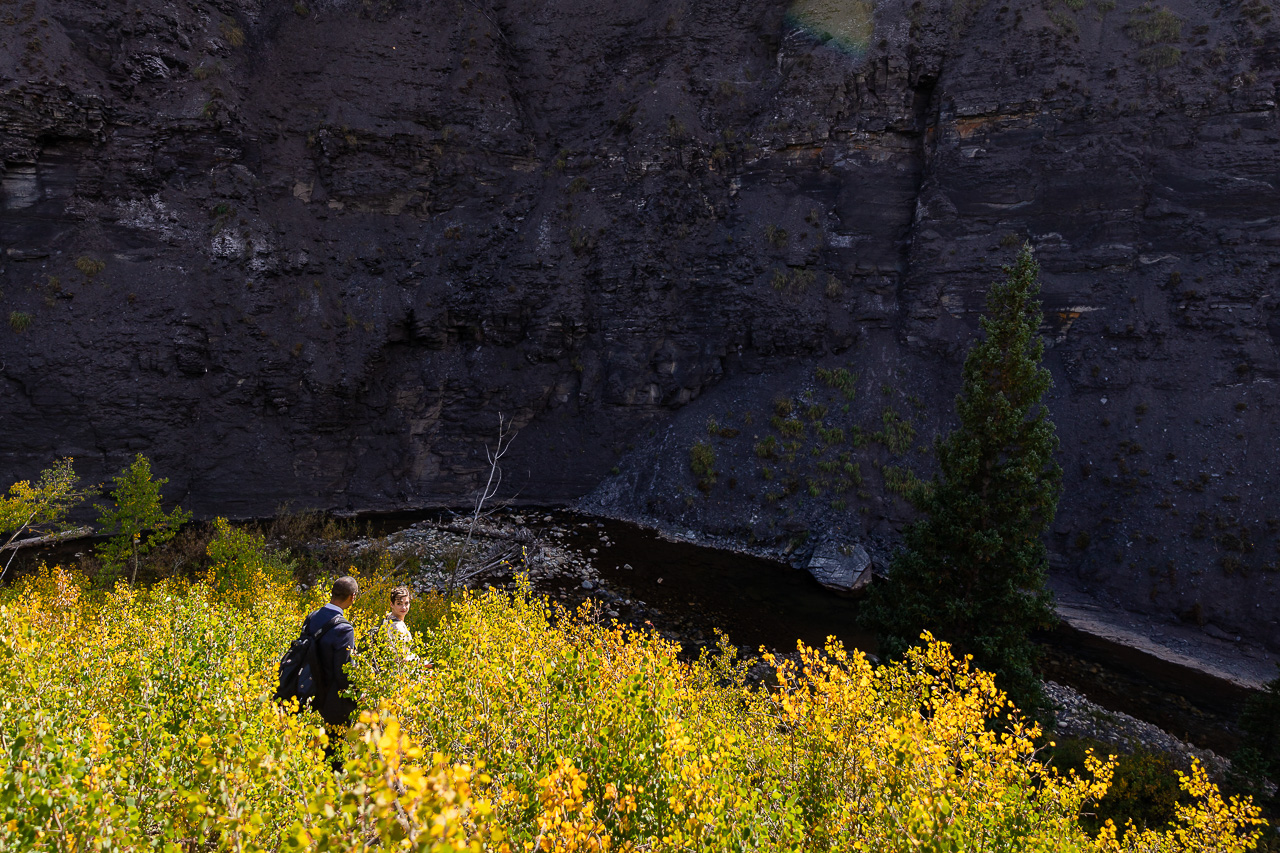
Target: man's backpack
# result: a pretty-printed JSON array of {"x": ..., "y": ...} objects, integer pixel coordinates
[{"x": 301, "y": 676}]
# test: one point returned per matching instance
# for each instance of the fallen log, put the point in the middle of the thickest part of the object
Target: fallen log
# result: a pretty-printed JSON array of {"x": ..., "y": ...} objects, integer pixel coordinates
[{"x": 47, "y": 539}]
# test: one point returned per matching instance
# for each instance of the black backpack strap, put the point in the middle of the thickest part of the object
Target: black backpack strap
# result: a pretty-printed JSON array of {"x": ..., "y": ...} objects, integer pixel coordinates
[{"x": 324, "y": 629}]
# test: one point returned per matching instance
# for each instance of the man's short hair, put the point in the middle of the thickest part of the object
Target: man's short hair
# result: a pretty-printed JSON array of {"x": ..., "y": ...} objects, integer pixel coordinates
[
  {"x": 344, "y": 587},
  {"x": 400, "y": 593}
]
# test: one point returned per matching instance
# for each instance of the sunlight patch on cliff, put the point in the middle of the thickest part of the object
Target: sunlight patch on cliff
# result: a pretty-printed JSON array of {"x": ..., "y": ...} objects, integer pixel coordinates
[{"x": 846, "y": 24}]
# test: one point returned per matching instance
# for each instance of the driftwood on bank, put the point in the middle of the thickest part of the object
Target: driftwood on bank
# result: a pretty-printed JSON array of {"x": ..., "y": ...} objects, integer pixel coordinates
[{"x": 47, "y": 539}]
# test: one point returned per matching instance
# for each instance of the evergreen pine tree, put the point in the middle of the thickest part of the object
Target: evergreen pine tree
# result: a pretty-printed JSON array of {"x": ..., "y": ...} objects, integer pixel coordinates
[
  {"x": 974, "y": 566},
  {"x": 1260, "y": 754}
]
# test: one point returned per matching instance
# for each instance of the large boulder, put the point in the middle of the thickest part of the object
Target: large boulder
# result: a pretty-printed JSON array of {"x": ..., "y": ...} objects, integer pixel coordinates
[{"x": 842, "y": 568}]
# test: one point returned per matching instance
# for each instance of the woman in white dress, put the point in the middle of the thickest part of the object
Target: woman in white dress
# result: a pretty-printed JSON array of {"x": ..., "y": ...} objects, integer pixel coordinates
[{"x": 399, "y": 637}]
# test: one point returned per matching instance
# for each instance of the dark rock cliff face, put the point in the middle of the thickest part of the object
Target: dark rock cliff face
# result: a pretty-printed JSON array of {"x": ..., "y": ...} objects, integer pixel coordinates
[{"x": 310, "y": 251}]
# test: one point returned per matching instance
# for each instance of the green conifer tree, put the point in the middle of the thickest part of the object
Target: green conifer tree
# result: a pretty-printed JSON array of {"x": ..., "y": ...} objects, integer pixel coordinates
[
  {"x": 1259, "y": 756},
  {"x": 136, "y": 511},
  {"x": 974, "y": 566}
]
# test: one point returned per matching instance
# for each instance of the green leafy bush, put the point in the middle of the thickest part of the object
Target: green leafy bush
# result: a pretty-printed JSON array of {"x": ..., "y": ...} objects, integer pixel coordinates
[
  {"x": 89, "y": 267},
  {"x": 135, "y": 520},
  {"x": 240, "y": 562},
  {"x": 1144, "y": 788},
  {"x": 841, "y": 379},
  {"x": 702, "y": 462}
]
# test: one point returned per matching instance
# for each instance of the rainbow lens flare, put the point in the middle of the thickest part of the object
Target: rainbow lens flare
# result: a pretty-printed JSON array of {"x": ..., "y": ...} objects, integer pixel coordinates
[{"x": 846, "y": 24}]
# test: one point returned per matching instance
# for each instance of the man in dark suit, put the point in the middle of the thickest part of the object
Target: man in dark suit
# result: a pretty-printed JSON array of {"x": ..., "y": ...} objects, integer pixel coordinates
[{"x": 333, "y": 651}]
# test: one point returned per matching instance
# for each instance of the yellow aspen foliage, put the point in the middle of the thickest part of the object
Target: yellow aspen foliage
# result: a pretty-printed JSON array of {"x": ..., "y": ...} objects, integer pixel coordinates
[
  {"x": 141, "y": 719},
  {"x": 392, "y": 794},
  {"x": 566, "y": 822}
]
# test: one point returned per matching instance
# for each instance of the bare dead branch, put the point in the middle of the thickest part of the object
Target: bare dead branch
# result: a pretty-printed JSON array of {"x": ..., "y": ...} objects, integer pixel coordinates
[{"x": 486, "y": 493}]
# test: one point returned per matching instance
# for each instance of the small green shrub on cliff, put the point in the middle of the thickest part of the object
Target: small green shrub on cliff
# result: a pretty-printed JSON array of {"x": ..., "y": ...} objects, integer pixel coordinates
[
  {"x": 233, "y": 33},
  {"x": 901, "y": 481},
  {"x": 19, "y": 321},
  {"x": 702, "y": 462},
  {"x": 1160, "y": 56},
  {"x": 1150, "y": 25},
  {"x": 1156, "y": 30},
  {"x": 89, "y": 267},
  {"x": 834, "y": 435},
  {"x": 898, "y": 434},
  {"x": 790, "y": 427},
  {"x": 841, "y": 379}
]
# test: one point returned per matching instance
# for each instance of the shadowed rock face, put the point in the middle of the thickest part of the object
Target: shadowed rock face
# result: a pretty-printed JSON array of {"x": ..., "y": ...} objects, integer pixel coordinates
[{"x": 309, "y": 252}]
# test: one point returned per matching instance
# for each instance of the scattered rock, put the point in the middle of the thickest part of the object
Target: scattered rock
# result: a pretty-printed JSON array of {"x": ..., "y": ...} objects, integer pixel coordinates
[{"x": 1078, "y": 717}]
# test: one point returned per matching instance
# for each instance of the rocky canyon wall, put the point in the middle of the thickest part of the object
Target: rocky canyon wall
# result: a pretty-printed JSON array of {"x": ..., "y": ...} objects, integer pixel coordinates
[{"x": 719, "y": 260}]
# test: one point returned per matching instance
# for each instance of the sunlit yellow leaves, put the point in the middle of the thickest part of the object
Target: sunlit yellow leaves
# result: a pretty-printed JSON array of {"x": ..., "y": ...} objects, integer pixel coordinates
[
  {"x": 46, "y": 502},
  {"x": 140, "y": 719}
]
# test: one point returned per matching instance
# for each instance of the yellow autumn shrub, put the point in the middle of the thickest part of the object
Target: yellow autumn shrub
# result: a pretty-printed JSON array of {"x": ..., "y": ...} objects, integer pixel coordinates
[{"x": 142, "y": 720}]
